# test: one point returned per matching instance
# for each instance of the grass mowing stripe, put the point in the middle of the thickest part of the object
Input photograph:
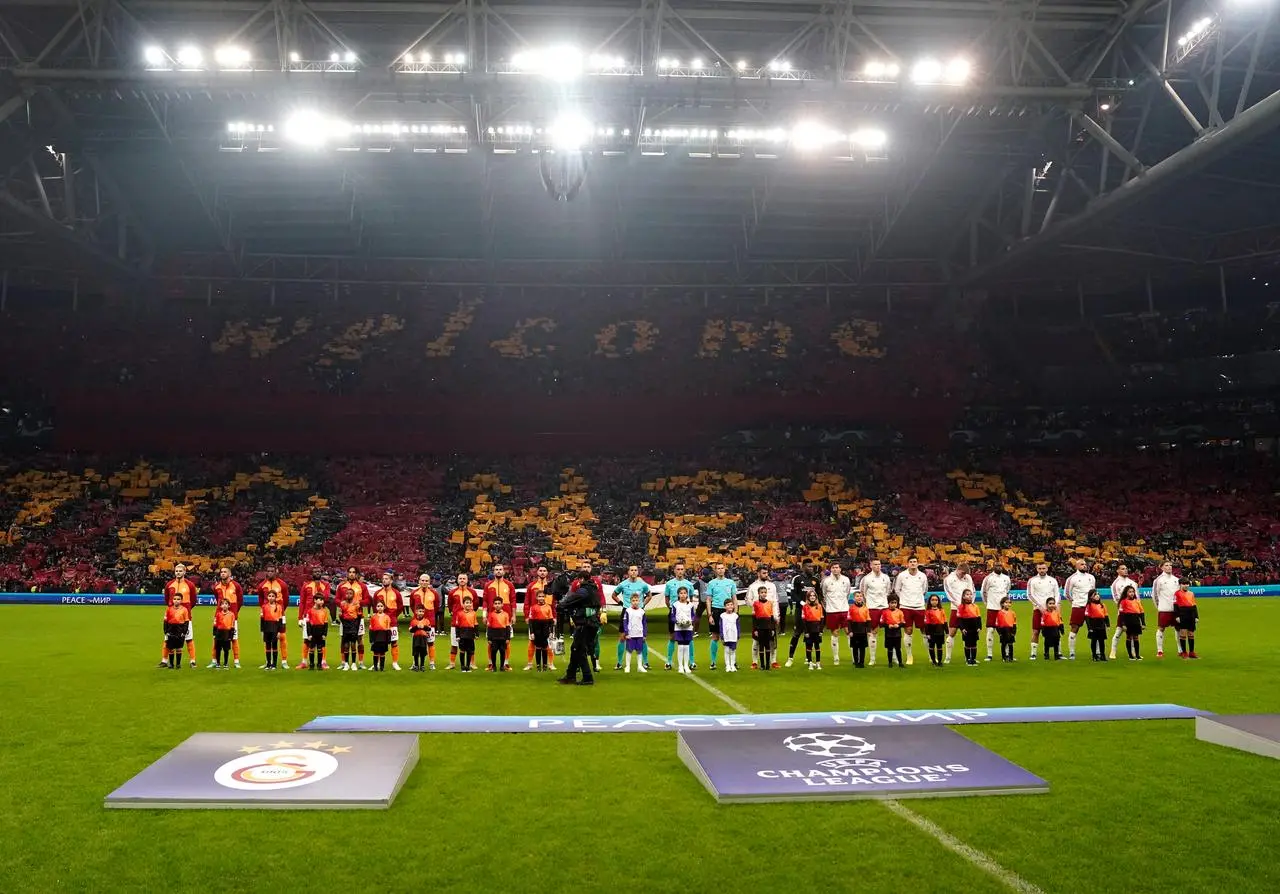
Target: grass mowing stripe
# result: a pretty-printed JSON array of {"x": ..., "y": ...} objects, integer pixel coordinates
[{"x": 1007, "y": 877}]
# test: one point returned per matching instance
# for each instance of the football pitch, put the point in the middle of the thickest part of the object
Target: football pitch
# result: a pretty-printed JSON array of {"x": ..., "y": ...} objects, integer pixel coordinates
[{"x": 1133, "y": 805}]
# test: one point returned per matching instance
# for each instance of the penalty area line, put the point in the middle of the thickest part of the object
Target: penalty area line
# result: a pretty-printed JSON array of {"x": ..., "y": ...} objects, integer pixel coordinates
[{"x": 975, "y": 857}]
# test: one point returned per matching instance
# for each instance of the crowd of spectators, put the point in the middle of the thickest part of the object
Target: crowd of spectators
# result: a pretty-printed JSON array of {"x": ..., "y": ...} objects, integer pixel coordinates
[{"x": 95, "y": 524}]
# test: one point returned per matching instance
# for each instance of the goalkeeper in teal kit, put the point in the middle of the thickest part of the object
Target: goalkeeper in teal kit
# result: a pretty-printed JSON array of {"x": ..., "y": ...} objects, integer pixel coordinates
[
  {"x": 631, "y": 585},
  {"x": 719, "y": 590}
]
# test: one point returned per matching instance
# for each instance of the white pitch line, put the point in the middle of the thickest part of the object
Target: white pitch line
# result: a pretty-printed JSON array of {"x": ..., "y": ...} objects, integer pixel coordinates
[{"x": 1008, "y": 877}]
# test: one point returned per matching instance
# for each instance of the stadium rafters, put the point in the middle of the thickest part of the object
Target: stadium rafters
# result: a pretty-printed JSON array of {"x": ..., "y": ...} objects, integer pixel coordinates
[{"x": 945, "y": 142}]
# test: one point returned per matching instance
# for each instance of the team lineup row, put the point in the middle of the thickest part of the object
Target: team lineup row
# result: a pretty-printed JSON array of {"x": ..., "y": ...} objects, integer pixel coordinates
[{"x": 819, "y": 601}]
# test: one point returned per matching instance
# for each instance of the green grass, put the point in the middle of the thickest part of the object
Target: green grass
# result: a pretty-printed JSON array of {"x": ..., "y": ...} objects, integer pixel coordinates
[{"x": 84, "y": 709}]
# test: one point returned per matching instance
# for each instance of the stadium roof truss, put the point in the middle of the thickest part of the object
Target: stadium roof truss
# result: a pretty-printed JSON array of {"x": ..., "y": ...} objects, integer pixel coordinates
[{"x": 748, "y": 143}]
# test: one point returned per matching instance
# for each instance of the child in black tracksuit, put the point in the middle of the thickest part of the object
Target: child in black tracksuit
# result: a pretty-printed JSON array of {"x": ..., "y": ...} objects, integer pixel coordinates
[{"x": 1097, "y": 619}]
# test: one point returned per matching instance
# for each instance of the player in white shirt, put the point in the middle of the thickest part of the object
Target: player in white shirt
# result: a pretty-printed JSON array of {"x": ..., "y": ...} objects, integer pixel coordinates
[
  {"x": 954, "y": 585},
  {"x": 1039, "y": 589},
  {"x": 1163, "y": 589},
  {"x": 753, "y": 590},
  {"x": 995, "y": 586},
  {"x": 1117, "y": 587},
  {"x": 875, "y": 588},
  {"x": 911, "y": 586},
  {"x": 1077, "y": 588},
  {"x": 835, "y": 606}
]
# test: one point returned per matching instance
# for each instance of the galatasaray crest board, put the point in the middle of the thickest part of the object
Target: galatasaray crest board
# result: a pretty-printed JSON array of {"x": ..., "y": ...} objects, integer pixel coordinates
[
  {"x": 839, "y": 764},
  {"x": 274, "y": 770}
]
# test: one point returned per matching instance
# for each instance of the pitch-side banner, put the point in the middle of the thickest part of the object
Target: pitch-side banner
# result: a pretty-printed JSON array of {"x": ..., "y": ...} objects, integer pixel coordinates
[
  {"x": 654, "y": 601},
  {"x": 666, "y": 723},
  {"x": 835, "y": 763}
]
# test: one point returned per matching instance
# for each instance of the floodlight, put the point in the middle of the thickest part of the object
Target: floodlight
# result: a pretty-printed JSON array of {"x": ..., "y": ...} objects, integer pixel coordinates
[
  {"x": 696, "y": 64},
  {"x": 231, "y": 57},
  {"x": 1105, "y": 107},
  {"x": 424, "y": 56},
  {"x": 957, "y": 72},
  {"x": 309, "y": 129},
  {"x": 190, "y": 57},
  {"x": 779, "y": 65},
  {"x": 881, "y": 71},
  {"x": 569, "y": 132},
  {"x": 349, "y": 57},
  {"x": 927, "y": 71},
  {"x": 154, "y": 56},
  {"x": 808, "y": 136},
  {"x": 334, "y": 57},
  {"x": 869, "y": 138},
  {"x": 294, "y": 57}
]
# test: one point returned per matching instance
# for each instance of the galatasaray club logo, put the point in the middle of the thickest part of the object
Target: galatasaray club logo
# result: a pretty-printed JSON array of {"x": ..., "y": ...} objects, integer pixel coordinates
[{"x": 279, "y": 765}]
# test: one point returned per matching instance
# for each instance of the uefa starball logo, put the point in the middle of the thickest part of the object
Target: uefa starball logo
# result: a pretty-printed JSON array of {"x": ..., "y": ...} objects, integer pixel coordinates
[
  {"x": 847, "y": 760},
  {"x": 281, "y": 766}
]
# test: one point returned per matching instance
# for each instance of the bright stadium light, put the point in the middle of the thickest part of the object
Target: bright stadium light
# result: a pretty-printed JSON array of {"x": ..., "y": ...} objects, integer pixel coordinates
[
  {"x": 424, "y": 57},
  {"x": 310, "y": 129},
  {"x": 957, "y": 72},
  {"x": 190, "y": 57},
  {"x": 809, "y": 136},
  {"x": 779, "y": 65},
  {"x": 881, "y": 71},
  {"x": 334, "y": 57},
  {"x": 154, "y": 56},
  {"x": 569, "y": 132},
  {"x": 869, "y": 138},
  {"x": 349, "y": 57},
  {"x": 927, "y": 71},
  {"x": 294, "y": 56},
  {"x": 742, "y": 65},
  {"x": 696, "y": 64},
  {"x": 562, "y": 63},
  {"x": 665, "y": 62},
  {"x": 231, "y": 57}
]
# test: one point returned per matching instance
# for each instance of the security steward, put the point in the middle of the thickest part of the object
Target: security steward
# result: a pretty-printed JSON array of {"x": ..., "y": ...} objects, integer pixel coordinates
[{"x": 582, "y": 608}]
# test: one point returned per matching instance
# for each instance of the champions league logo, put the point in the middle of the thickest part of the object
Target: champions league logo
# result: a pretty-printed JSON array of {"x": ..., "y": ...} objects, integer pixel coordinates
[
  {"x": 846, "y": 763},
  {"x": 282, "y": 766},
  {"x": 843, "y": 749}
]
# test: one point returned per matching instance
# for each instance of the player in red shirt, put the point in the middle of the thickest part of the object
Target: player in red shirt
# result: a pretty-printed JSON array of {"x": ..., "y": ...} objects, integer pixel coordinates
[
  {"x": 312, "y": 591},
  {"x": 428, "y": 597},
  {"x": 354, "y": 588},
  {"x": 462, "y": 591},
  {"x": 499, "y": 587},
  {"x": 532, "y": 591},
  {"x": 394, "y": 603},
  {"x": 228, "y": 588},
  {"x": 272, "y": 583},
  {"x": 181, "y": 590}
]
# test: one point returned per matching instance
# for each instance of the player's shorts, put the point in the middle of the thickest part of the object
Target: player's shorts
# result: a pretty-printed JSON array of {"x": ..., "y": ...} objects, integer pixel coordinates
[
  {"x": 190, "y": 635},
  {"x": 361, "y": 630},
  {"x": 914, "y": 617},
  {"x": 453, "y": 637},
  {"x": 395, "y": 633},
  {"x": 992, "y": 614},
  {"x": 1036, "y": 615},
  {"x": 715, "y": 619},
  {"x": 953, "y": 620},
  {"x": 1164, "y": 619},
  {"x": 235, "y": 631},
  {"x": 837, "y": 620},
  {"x": 1077, "y": 616},
  {"x": 873, "y": 622}
]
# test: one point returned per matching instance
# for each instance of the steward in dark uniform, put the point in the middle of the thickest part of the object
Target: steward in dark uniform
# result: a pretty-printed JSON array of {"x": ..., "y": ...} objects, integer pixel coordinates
[{"x": 582, "y": 608}]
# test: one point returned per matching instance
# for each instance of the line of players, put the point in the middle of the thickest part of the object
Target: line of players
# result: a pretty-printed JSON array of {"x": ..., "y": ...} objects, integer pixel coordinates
[
  {"x": 898, "y": 605},
  {"x": 359, "y": 611}
]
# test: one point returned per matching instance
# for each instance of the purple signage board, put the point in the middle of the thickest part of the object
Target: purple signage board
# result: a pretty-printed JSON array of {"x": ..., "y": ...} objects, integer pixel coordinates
[
  {"x": 836, "y": 763},
  {"x": 274, "y": 771}
]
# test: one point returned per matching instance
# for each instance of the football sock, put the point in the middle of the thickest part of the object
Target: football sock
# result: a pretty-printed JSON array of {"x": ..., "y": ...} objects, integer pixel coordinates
[
  {"x": 395, "y": 653},
  {"x": 1160, "y": 640},
  {"x": 622, "y": 647},
  {"x": 871, "y": 646},
  {"x": 1191, "y": 643},
  {"x": 191, "y": 649},
  {"x": 235, "y": 649},
  {"x": 715, "y": 651},
  {"x": 671, "y": 650},
  {"x": 284, "y": 648},
  {"x": 1071, "y": 643},
  {"x": 835, "y": 647},
  {"x": 644, "y": 653},
  {"x": 991, "y": 636}
]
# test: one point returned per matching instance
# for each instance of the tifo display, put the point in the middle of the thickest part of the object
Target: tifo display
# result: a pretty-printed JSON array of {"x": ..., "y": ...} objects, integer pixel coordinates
[{"x": 826, "y": 606}]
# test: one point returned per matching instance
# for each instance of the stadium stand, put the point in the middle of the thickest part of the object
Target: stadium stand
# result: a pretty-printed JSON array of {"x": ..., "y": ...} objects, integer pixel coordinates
[{"x": 73, "y": 523}]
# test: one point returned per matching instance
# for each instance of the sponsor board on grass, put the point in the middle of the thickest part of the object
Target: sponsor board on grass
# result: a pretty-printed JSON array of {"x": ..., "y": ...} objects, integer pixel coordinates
[
  {"x": 666, "y": 723},
  {"x": 838, "y": 764},
  {"x": 274, "y": 770}
]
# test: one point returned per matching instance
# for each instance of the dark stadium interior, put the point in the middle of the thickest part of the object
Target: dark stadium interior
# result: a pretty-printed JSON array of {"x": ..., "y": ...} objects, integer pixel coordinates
[{"x": 1062, "y": 260}]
